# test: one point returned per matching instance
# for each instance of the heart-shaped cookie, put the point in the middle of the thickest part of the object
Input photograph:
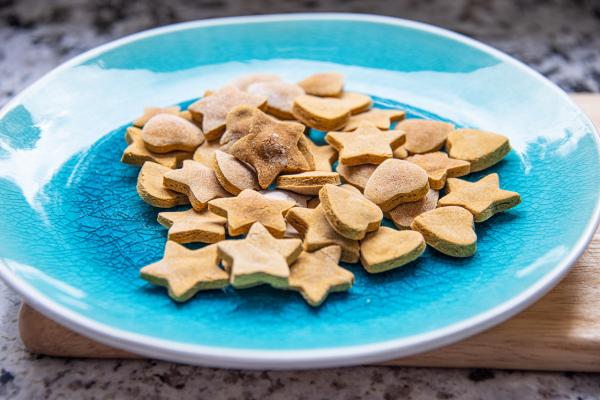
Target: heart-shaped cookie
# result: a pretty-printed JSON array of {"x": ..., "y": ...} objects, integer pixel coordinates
[
  {"x": 482, "y": 149},
  {"x": 387, "y": 248},
  {"x": 449, "y": 230}
]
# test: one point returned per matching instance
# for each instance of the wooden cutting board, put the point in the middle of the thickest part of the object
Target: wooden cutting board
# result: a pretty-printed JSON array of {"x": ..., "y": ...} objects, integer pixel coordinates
[{"x": 559, "y": 332}]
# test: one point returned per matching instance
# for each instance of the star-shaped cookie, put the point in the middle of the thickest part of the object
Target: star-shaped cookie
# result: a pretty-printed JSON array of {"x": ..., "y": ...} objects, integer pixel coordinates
[
  {"x": 272, "y": 147},
  {"x": 317, "y": 274},
  {"x": 318, "y": 233},
  {"x": 259, "y": 258},
  {"x": 324, "y": 156},
  {"x": 211, "y": 111},
  {"x": 381, "y": 119},
  {"x": 185, "y": 272},
  {"x": 249, "y": 207},
  {"x": 366, "y": 145},
  {"x": 439, "y": 167},
  {"x": 196, "y": 181},
  {"x": 136, "y": 152},
  {"x": 191, "y": 226},
  {"x": 483, "y": 198}
]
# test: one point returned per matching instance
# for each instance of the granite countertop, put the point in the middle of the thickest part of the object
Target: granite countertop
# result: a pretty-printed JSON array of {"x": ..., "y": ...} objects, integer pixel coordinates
[{"x": 558, "y": 38}]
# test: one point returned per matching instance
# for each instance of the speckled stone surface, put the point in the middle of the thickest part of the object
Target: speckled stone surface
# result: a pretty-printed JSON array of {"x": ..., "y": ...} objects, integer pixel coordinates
[{"x": 558, "y": 38}]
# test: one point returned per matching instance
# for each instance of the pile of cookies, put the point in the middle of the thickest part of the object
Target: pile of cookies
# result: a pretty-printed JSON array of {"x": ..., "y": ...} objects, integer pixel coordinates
[{"x": 243, "y": 159}]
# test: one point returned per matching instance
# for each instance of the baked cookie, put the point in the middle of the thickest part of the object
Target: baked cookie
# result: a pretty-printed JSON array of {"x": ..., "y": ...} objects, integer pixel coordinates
[
  {"x": 324, "y": 156},
  {"x": 395, "y": 182},
  {"x": 198, "y": 182},
  {"x": 329, "y": 113},
  {"x": 150, "y": 112},
  {"x": 324, "y": 84},
  {"x": 481, "y": 149},
  {"x": 307, "y": 183},
  {"x": 259, "y": 258},
  {"x": 404, "y": 214},
  {"x": 233, "y": 174},
  {"x": 205, "y": 153},
  {"x": 211, "y": 112},
  {"x": 318, "y": 233},
  {"x": 185, "y": 272},
  {"x": 366, "y": 145},
  {"x": 317, "y": 274},
  {"x": 164, "y": 133},
  {"x": 483, "y": 198},
  {"x": 151, "y": 189},
  {"x": 137, "y": 154},
  {"x": 191, "y": 226},
  {"x": 348, "y": 212},
  {"x": 387, "y": 248},
  {"x": 280, "y": 97},
  {"x": 357, "y": 175},
  {"x": 249, "y": 207},
  {"x": 439, "y": 167},
  {"x": 381, "y": 119},
  {"x": 424, "y": 136},
  {"x": 449, "y": 230}
]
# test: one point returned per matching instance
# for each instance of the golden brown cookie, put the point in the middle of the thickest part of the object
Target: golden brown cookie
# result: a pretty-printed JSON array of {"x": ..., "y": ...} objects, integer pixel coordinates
[
  {"x": 211, "y": 112},
  {"x": 395, "y": 182},
  {"x": 280, "y": 97},
  {"x": 449, "y": 230},
  {"x": 150, "y": 112},
  {"x": 151, "y": 189},
  {"x": 186, "y": 272},
  {"x": 271, "y": 148},
  {"x": 404, "y": 214},
  {"x": 348, "y": 212},
  {"x": 259, "y": 258},
  {"x": 244, "y": 81},
  {"x": 238, "y": 123},
  {"x": 164, "y": 133},
  {"x": 191, "y": 226},
  {"x": 233, "y": 174},
  {"x": 308, "y": 183},
  {"x": 324, "y": 156},
  {"x": 388, "y": 248},
  {"x": 400, "y": 153},
  {"x": 482, "y": 149},
  {"x": 198, "y": 182},
  {"x": 329, "y": 113},
  {"x": 366, "y": 145},
  {"x": 423, "y": 136},
  {"x": 318, "y": 233},
  {"x": 205, "y": 153},
  {"x": 381, "y": 119},
  {"x": 357, "y": 175},
  {"x": 439, "y": 167},
  {"x": 324, "y": 84},
  {"x": 483, "y": 198},
  {"x": 249, "y": 207},
  {"x": 136, "y": 152},
  {"x": 317, "y": 274}
]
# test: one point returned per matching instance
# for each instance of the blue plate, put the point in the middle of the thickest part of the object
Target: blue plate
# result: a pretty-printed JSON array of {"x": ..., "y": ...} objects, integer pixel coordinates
[{"x": 74, "y": 234}]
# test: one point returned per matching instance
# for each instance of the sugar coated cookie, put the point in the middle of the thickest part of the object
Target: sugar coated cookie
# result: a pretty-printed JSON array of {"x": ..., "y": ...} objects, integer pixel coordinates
[
  {"x": 191, "y": 226},
  {"x": 483, "y": 198},
  {"x": 395, "y": 182},
  {"x": 482, "y": 149},
  {"x": 308, "y": 183},
  {"x": 233, "y": 174},
  {"x": 186, "y": 272},
  {"x": 439, "y": 167},
  {"x": 164, "y": 133},
  {"x": 136, "y": 152},
  {"x": 259, "y": 258},
  {"x": 198, "y": 182},
  {"x": 280, "y": 97},
  {"x": 317, "y": 274},
  {"x": 404, "y": 214},
  {"x": 249, "y": 207},
  {"x": 318, "y": 233},
  {"x": 349, "y": 212},
  {"x": 151, "y": 189},
  {"x": 324, "y": 84},
  {"x": 211, "y": 112},
  {"x": 423, "y": 136},
  {"x": 366, "y": 145},
  {"x": 387, "y": 248},
  {"x": 449, "y": 230}
]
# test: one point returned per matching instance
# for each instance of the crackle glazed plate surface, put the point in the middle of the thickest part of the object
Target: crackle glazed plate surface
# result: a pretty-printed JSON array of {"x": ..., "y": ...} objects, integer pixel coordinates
[{"x": 74, "y": 234}]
